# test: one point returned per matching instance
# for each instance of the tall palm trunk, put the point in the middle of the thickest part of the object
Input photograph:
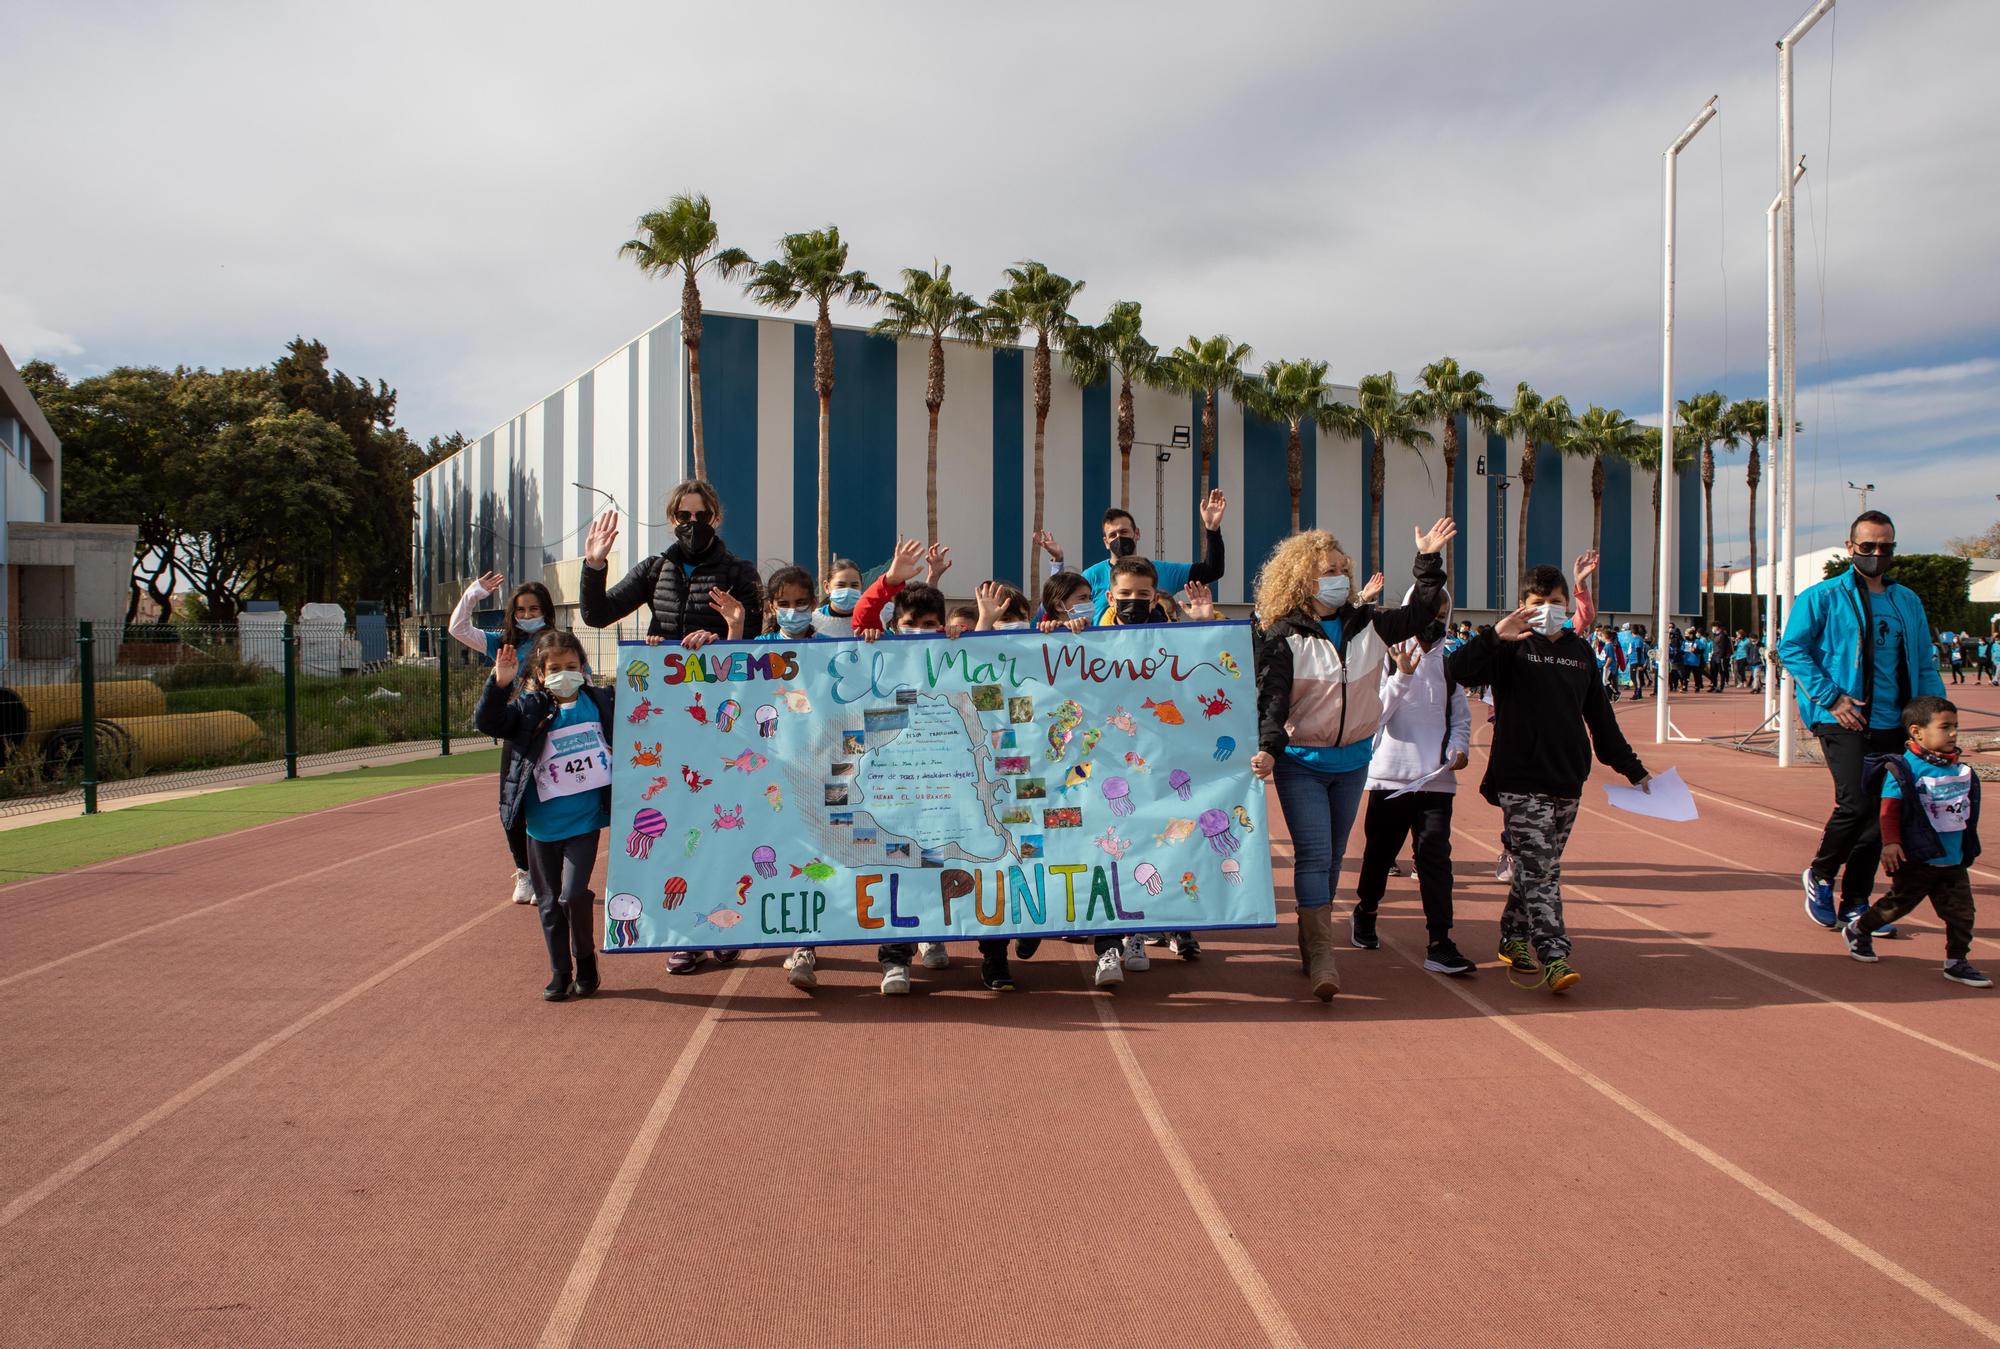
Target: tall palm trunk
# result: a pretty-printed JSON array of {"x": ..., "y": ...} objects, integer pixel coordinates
[
  {"x": 934, "y": 402},
  {"x": 1207, "y": 462},
  {"x": 1752, "y": 473},
  {"x": 823, "y": 386},
  {"x": 691, "y": 335},
  {"x": 1708, "y": 527},
  {"x": 1127, "y": 433},
  {"x": 1521, "y": 532},
  {"x": 1041, "y": 427},
  {"x": 1597, "y": 505},
  {"x": 1451, "y": 451},
  {"x": 1295, "y": 470},
  {"x": 1378, "y": 482}
]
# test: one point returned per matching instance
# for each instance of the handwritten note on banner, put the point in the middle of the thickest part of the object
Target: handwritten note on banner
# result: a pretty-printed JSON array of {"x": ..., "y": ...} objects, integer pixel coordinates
[{"x": 1017, "y": 783}]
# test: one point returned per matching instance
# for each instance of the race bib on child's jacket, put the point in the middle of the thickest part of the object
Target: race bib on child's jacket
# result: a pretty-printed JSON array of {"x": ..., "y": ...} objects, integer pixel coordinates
[
  {"x": 1948, "y": 800},
  {"x": 574, "y": 760}
]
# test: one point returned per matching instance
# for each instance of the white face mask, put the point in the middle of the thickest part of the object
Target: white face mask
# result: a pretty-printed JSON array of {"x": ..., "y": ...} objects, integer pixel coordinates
[
  {"x": 1011, "y": 627},
  {"x": 564, "y": 684},
  {"x": 842, "y": 599},
  {"x": 1333, "y": 590},
  {"x": 535, "y": 624},
  {"x": 1548, "y": 620}
]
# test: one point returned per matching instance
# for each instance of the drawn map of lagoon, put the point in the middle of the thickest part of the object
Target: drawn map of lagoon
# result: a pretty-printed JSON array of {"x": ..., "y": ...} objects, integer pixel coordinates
[{"x": 921, "y": 793}]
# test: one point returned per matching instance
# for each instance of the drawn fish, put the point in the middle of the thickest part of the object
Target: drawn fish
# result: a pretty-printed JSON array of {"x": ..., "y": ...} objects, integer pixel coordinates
[
  {"x": 1243, "y": 820},
  {"x": 1122, "y": 720},
  {"x": 1168, "y": 714},
  {"x": 814, "y": 870},
  {"x": 749, "y": 761},
  {"x": 1077, "y": 776},
  {"x": 1175, "y": 831},
  {"x": 720, "y": 919},
  {"x": 1135, "y": 763},
  {"x": 775, "y": 796},
  {"x": 796, "y": 700},
  {"x": 1228, "y": 663},
  {"x": 693, "y": 841},
  {"x": 694, "y": 780},
  {"x": 742, "y": 889}
]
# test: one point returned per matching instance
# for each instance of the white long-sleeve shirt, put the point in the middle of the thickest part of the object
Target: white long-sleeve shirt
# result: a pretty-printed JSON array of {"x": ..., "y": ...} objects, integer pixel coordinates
[
  {"x": 1422, "y": 726},
  {"x": 462, "y": 627}
]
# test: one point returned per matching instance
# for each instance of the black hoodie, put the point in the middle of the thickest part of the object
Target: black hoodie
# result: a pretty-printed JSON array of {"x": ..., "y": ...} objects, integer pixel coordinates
[{"x": 1545, "y": 695}]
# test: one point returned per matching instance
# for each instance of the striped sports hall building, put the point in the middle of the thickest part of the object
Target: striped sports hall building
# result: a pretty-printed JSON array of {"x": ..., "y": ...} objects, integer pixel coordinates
[{"x": 518, "y": 499}]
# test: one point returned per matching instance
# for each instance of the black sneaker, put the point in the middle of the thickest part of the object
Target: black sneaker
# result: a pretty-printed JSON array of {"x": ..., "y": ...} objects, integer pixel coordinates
[
  {"x": 995, "y": 975},
  {"x": 1962, "y": 972},
  {"x": 1361, "y": 931},
  {"x": 1443, "y": 958},
  {"x": 1027, "y": 946},
  {"x": 556, "y": 991},
  {"x": 1859, "y": 944},
  {"x": 1184, "y": 945}
]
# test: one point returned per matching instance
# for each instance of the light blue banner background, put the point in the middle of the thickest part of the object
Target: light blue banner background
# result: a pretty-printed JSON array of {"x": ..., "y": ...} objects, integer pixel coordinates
[{"x": 921, "y": 789}]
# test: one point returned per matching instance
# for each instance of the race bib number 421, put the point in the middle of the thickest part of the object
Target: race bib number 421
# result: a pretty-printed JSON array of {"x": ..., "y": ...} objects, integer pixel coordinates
[{"x": 574, "y": 760}]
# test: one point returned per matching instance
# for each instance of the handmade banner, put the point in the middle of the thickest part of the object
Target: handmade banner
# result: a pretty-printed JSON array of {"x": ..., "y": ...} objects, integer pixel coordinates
[{"x": 920, "y": 789}]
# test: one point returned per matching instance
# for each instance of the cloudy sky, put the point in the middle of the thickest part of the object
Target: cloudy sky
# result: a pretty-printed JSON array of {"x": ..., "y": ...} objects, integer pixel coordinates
[{"x": 437, "y": 190}]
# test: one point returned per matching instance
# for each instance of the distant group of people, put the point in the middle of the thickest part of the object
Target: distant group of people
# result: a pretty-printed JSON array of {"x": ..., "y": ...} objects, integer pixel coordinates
[{"x": 1965, "y": 653}]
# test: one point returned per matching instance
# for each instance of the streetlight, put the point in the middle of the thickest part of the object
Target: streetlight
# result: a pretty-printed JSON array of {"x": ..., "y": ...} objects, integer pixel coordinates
[
  {"x": 1864, "y": 488},
  {"x": 1496, "y": 573},
  {"x": 1183, "y": 438}
]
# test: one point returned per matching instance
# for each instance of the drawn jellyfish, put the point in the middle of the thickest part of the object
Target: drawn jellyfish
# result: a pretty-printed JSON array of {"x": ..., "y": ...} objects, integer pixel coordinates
[
  {"x": 1148, "y": 875},
  {"x": 1225, "y": 745},
  {"x": 673, "y": 892},
  {"x": 767, "y": 721},
  {"x": 1182, "y": 784},
  {"x": 1118, "y": 795},
  {"x": 765, "y": 860},
  {"x": 1232, "y": 871},
  {"x": 621, "y": 911},
  {"x": 726, "y": 715},
  {"x": 1220, "y": 829},
  {"x": 647, "y": 825}
]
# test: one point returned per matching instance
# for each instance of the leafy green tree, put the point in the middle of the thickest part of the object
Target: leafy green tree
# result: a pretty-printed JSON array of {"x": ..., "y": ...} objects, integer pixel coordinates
[
  {"x": 1035, "y": 297},
  {"x": 1209, "y": 368},
  {"x": 1536, "y": 421},
  {"x": 1394, "y": 418},
  {"x": 1448, "y": 393},
  {"x": 1295, "y": 393},
  {"x": 1118, "y": 346},
  {"x": 931, "y": 307},
  {"x": 1707, "y": 419},
  {"x": 683, "y": 236},
  {"x": 1939, "y": 579},
  {"x": 1601, "y": 435}
]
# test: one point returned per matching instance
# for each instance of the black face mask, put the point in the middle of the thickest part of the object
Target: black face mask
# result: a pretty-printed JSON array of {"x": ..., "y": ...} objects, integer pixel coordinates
[
  {"x": 1132, "y": 611},
  {"x": 1124, "y": 546},
  {"x": 694, "y": 537},
  {"x": 1872, "y": 565}
]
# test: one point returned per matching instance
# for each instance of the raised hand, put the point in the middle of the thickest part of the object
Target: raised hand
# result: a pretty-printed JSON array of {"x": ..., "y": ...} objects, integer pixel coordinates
[
  {"x": 729, "y": 607},
  {"x": 988, "y": 598},
  {"x": 937, "y": 561},
  {"x": 1212, "y": 507},
  {"x": 1514, "y": 627},
  {"x": 1586, "y": 564},
  {"x": 597, "y": 541},
  {"x": 1441, "y": 533},
  {"x": 1047, "y": 543},
  {"x": 491, "y": 582},
  {"x": 1373, "y": 590},
  {"x": 1406, "y": 655},
  {"x": 1200, "y": 606},
  {"x": 506, "y": 664},
  {"x": 699, "y": 638},
  {"x": 906, "y": 563}
]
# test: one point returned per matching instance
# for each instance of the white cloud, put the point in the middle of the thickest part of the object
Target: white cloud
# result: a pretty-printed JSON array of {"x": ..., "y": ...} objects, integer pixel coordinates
[{"x": 27, "y": 338}]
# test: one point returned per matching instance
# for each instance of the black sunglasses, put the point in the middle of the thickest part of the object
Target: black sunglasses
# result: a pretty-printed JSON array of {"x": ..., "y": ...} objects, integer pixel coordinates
[
  {"x": 696, "y": 518},
  {"x": 1873, "y": 549}
]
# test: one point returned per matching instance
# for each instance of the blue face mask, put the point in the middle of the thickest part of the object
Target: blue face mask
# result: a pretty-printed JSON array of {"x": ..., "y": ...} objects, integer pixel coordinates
[
  {"x": 1333, "y": 590},
  {"x": 842, "y": 599},
  {"x": 531, "y": 624},
  {"x": 794, "y": 620}
]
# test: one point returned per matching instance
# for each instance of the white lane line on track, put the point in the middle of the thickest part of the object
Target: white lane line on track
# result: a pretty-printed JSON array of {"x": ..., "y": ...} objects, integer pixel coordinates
[
  {"x": 564, "y": 1317},
  {"x": 1249, "y": 1280},
  {"x": 150, "y": 928},
  {"x": 1757, "y": 969},
  {"x": 1790, "y": 1207},
  {"x": 1795, "y": 822},
  {"x": 187, "y": 1095}
]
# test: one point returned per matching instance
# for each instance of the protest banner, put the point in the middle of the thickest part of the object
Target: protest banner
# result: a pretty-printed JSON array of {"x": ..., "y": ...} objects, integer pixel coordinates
[{"x": 918, "y": 789}]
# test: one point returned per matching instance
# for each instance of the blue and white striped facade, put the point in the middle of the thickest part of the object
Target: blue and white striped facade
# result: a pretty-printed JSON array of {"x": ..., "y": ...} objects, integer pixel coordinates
[{"x": 508, "y": 502}]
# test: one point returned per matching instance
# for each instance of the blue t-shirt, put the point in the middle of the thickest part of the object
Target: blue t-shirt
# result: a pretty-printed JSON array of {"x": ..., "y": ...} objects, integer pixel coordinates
[
  {"x": 1333, "y": 758},
  {"x": 496, "y": 638},
  {"x": 568, "y": 816},
  {"x": 1885, "y": 695},
  {"x": 1171, "y": 577},
  {"x": 1944, "y": 792},
  {"x": 1632, "y": 647},
  {"x": 1742, "y": 650}
]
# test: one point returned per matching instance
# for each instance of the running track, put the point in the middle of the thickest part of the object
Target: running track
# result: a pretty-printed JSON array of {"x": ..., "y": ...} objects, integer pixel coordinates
[{"x": 295, "y": 1087}]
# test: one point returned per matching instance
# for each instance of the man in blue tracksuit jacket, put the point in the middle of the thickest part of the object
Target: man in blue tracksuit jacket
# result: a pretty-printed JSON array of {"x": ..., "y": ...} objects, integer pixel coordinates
[{"x": 1858, "y": 648}]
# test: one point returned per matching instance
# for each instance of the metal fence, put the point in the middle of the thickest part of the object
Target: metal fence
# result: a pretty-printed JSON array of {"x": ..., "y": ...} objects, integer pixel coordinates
[{"x": 91, "y": 711}]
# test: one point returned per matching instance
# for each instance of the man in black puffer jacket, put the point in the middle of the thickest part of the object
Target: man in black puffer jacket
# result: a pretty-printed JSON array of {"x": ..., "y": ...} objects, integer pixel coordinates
[{"x": 676, "y": 583}]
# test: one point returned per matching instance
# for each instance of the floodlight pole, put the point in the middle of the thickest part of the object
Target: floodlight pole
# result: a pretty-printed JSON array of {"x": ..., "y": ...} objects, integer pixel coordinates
[
  {"x": 1666, "y": 539},
  {"x": 1789, "y": 386},
  {"x": 1773, "y": 617}
]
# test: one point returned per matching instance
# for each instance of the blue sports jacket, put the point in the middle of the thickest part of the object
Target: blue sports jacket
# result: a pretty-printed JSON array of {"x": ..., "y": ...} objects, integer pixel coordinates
[{"x": 1824, "y": 650}]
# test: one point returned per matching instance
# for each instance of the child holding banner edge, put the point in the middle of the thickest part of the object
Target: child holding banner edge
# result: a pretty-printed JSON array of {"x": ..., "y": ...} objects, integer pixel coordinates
[{"x": 559, "y": 782}]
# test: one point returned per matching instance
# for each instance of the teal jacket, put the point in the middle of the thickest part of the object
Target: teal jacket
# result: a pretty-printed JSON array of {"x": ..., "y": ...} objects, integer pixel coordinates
[{"x": 1824, "y": 650}]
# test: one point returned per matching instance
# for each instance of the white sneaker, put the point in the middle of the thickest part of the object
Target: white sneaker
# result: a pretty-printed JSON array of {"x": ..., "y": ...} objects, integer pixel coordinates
[
  {"x": 802, "y": 966},
  {"x": 1135, "y": 953},
  {"x": 1110, "y": 969},
  {"x": 1503, "y": 870},
  {"x": 895, "y": 979},
  {"x": 524, "y": 888},
  {"x": 933, "y": 955}
]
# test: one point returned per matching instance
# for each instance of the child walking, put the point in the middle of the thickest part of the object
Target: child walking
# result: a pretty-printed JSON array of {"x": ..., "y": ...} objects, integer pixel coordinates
[
  {"x": 559, "y": 784},
  {"x": 526, "y": 615},
  {"x": 1930, "y": 837}
]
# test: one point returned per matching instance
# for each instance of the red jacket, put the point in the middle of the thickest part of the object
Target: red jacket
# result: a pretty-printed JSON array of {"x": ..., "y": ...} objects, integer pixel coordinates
[{"x": 868, "y": 613}]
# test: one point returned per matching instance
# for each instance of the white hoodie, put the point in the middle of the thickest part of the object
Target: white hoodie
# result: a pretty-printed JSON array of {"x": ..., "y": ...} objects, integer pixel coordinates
[{"x": 1419, "y": 731}]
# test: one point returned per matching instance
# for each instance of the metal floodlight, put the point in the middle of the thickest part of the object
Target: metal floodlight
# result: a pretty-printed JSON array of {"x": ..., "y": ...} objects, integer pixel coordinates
[{"x": 1183, "y": 437}]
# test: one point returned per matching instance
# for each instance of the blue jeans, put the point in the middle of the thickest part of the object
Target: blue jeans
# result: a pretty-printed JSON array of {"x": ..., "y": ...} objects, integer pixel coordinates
[{"x": 1319, "y": 813}]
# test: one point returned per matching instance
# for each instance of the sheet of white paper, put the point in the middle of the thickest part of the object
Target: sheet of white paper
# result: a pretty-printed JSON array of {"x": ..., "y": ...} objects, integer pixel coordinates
[
  {"x": 1421, "y": 782},
  {"x": 1669, "y": 798}
]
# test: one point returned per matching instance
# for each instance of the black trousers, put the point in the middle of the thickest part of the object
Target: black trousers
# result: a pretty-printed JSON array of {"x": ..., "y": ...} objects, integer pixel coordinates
[
  {"x": 1853, "y": 835},
  {"x": 517, "y": 837},
  {"x": 1425, "y": 818},
  {"x": 905, "y": 953},
  {"x": 1949, "y": 889},
  {"x": 561, "y": 873}
]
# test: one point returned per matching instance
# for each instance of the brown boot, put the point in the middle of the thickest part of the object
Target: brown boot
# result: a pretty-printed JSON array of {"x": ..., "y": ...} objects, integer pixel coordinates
[
  {"x": 1316, "y": 937},
  {"x": 1305, "y": 956}
]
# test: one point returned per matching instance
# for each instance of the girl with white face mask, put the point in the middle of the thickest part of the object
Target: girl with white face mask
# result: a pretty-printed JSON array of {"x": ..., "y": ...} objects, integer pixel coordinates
[
  {"x": 1319, "y": 702},
  {"x": 835, "y": 618}
]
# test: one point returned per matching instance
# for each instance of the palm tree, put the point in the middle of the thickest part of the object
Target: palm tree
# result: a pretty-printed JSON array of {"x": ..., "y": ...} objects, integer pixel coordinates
[
  {"x": 1117, "y": 346},
  {"x": 1537, "y": 421},
  {"x": 1708, "y": 422},
  {"x": 812, "y": 266},
  {"x": 1395, "y": 418},
  {"x": 1296, "y": 392},
  {"x": 683, "y": 236},
  {"x": 1751, "y": 418},
  {"x": 1450, "y": 393},
  {"x": 1210, "y": 368},
  {"x": 929, "y": 306},
  {"x": 1035, "y": 297},
  {"x": 1601, "y": 435}
]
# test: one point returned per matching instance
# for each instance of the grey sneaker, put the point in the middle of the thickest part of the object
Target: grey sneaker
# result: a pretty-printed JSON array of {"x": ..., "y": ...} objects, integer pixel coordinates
[
  {"x": 524, "y": 888},
  {"x": 1110, "y": 969},
  {"x": 1135, "y": 953},
  {"x": 895, "y": 979},
  {"x": 802, "y": 969},
  {"x": 933, "y": 955}
]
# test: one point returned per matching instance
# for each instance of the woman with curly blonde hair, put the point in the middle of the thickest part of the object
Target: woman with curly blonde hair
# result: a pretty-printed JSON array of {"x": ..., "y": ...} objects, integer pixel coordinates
[{"x": 1319, "y": 668}]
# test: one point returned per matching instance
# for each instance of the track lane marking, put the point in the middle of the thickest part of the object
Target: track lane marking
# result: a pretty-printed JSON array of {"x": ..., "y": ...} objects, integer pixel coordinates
[{"x": 1798, "y": 823}]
